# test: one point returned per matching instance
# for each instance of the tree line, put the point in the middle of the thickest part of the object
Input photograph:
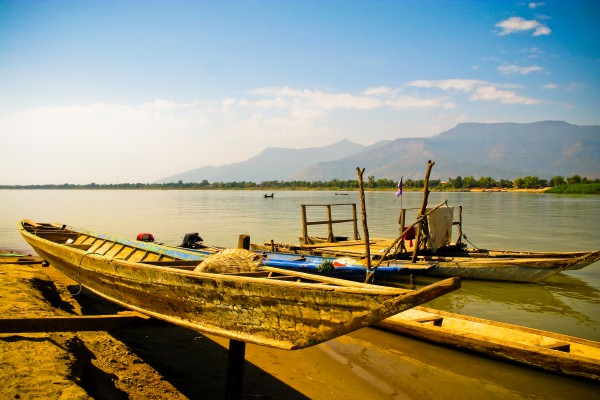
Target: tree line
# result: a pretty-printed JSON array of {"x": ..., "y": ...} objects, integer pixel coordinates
[{"x": 458, "y": 183}]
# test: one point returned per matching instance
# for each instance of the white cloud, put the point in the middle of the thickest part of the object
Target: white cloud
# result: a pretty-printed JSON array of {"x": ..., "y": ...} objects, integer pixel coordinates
[
  {"x": 533, "y": 5},
  {"x": 491, "y": 93},
  {"x": 479, "y": 90},
  {"x": 377, "y": 91},
  {"x": 515, "y": 69},
  {"x": 462, "y": 85},
  {"x": 550, "y": 86},
  {"x": 518, "y": 25}
]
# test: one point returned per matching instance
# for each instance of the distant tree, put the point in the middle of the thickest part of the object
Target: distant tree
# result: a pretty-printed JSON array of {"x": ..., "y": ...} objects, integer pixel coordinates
[
  {"x": 505, "y": 183},
  {"x": 457, "y": 183},
  {"x": 486, "y": 182},
  {"x": 371, "y": 183},
  {"x": 557, "y": 181},
  {"x": 469, "y": 182},
  {"x": 575, "y": 179},
  {"x": 532, "y": 182},
  {"x": 519, "y": 183}
]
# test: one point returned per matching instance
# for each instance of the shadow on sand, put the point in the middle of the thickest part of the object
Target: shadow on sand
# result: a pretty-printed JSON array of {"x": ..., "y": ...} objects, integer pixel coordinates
[{"x": 193, "y": 363}]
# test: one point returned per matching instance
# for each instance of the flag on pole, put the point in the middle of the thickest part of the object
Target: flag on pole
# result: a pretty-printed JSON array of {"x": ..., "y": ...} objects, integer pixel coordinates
[{"x": 399, "y": 192}]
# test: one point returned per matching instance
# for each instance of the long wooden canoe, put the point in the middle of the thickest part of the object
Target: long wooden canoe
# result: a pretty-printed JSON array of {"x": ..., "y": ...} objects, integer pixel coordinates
[
  {"x": 518, "y": 266},
  {"x": 270, "y": 307},
  {"x": 533, "y": 347}
]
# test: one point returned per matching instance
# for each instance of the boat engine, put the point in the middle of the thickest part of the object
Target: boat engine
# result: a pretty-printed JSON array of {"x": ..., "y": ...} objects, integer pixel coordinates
[{"x": 191, "y": 241}]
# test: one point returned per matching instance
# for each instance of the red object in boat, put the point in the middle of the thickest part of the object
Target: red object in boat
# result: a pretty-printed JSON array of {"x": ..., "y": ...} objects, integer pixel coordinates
[
  {"x": 145, "y": 237},
  {"x": 409, "y": 235}
]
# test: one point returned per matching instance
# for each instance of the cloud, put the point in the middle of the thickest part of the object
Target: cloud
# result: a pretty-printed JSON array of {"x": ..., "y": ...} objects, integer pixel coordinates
[
  {"x": 491, "y": 93},
  {"x": 479, "y": 90},
  {"x": 515, "y": 69},
  {"x": 533, "y": 5},
  {"x": 518, "y": 25},
  {"x": 462, "y": 85}
]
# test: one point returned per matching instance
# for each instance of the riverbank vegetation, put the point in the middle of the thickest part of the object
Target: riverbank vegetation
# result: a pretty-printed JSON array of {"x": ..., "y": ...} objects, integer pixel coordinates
[{"x": 558, "y": 184}]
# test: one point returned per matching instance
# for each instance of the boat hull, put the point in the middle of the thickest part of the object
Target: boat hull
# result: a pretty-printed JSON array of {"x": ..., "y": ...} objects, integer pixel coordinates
[
  {"x": 288, "y": 311},
  {"x": 532, "y": 347}
]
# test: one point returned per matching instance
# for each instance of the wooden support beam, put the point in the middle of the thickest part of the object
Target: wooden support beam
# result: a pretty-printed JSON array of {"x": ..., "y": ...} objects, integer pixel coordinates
[
  {"x": 236, "y": 357},
  {"x": 72, "y": 323},
  {"x": 235, "y": 369},
  {"x": 21, "y": 260}
]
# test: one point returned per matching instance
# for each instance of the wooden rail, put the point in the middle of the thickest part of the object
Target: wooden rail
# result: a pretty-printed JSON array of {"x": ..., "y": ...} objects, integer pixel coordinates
[{"x": 329, "y": 221}]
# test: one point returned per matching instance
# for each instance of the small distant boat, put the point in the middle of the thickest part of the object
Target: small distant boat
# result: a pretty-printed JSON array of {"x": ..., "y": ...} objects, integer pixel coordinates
[
  {"x": 272, "y": 195},
  {"x": 266, "y": 306},
  {"x": 533, "y": 347}
]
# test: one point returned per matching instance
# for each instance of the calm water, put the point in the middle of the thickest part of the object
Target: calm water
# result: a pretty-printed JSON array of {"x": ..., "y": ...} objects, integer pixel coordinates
[{"x": 568, "y": 303}]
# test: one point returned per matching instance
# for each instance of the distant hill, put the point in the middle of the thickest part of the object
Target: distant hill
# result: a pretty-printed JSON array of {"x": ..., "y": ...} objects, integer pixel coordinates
[
  {"x": 501, "y": 150},
  {"x": 270, "y": 164}
]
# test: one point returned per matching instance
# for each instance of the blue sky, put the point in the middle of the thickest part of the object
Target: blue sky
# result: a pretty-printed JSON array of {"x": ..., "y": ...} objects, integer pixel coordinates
[{"x": 132, "y": 91}]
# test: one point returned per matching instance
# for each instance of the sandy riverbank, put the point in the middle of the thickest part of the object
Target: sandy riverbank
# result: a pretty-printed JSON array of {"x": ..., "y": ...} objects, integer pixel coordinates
[{"x": 148, "y": 362}]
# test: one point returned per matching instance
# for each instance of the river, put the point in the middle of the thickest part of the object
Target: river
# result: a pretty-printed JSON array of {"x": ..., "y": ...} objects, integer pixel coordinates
[{"x": 398, "y": 367}]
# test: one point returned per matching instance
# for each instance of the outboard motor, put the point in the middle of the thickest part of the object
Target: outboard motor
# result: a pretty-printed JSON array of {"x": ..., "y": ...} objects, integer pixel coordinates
[{"x": 191, "y": 241}]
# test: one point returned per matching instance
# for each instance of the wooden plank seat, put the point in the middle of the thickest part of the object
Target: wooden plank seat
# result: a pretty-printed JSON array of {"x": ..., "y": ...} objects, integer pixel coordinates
[
  {"x": 180, "y": 264},
  {"x": 79, "y": 246}
]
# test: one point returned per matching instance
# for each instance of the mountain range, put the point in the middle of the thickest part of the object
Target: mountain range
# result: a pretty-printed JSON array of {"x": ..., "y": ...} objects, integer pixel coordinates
[{"x": 500, "y": 150}]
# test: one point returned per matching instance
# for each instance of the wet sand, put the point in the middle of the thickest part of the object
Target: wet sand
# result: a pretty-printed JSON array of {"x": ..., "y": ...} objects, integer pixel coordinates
[
  {"x": 162, "y": 361},
  {"x": 147, "y": 362}
]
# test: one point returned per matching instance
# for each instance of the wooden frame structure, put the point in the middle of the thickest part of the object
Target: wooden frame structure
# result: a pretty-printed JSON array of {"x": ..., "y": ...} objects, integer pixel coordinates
[{"x": 329, "y": 221}]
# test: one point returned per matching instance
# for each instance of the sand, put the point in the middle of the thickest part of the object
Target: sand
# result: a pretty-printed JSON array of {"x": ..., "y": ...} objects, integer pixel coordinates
[{"x": 156, "y": 361}]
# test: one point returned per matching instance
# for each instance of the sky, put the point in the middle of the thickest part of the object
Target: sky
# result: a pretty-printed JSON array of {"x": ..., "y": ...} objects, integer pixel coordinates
[{"x": 134, "y": 91}]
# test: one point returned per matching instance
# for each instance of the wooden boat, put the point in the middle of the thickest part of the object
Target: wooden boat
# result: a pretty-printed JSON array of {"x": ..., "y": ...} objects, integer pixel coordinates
[
  {"x": 449, "y": 259},
  {"x": 453, "y": 261},
  {"x": 533, "y": 347},
  {"x": 506, "y": 268},
  {"x": 583, "y": 258},
  {"x": 270, "y": 306}
]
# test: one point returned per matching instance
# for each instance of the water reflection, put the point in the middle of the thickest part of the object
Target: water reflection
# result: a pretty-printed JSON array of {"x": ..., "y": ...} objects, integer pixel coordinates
[{"x": 405, "y": 368}]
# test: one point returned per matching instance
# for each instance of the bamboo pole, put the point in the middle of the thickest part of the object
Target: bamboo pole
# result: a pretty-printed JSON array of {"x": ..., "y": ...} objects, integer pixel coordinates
[
  {"x": 422, "y": 227},
  {"x": 304, "y": 226},
  {"x": 402, "y": 221},
  {"x": 330, "y": 236},
  {"x": 361, "y": 191}
]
